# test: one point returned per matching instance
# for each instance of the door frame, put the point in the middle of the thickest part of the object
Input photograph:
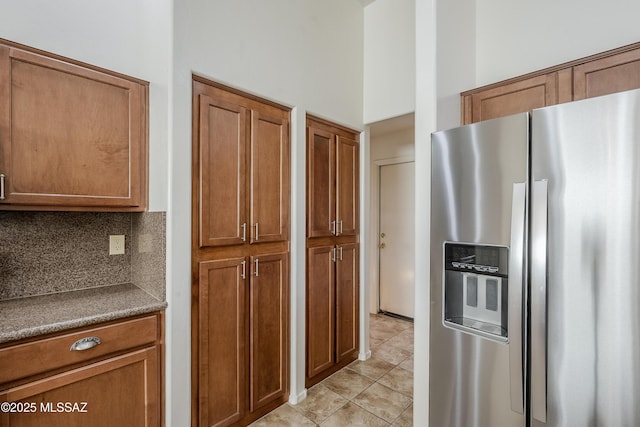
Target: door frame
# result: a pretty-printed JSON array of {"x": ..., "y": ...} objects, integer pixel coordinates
[{"x": 374, "y": 290}]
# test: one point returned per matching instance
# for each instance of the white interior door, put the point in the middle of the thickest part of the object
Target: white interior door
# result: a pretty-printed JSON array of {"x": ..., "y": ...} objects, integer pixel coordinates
[{"x": 396, "y": 240}]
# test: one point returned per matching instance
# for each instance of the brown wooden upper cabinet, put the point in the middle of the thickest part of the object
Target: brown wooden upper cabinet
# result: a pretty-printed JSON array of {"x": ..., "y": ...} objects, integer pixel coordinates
[
  {"x": 72, "y": 136},
  {"x": 608, "y": 72},
  {"x": 332, "y": 180},
  {"x": 244, "y": 172}
]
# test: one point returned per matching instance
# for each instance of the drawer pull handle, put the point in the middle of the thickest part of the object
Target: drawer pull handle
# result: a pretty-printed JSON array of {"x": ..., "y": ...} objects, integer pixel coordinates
[{"x": 85, "y": 344}]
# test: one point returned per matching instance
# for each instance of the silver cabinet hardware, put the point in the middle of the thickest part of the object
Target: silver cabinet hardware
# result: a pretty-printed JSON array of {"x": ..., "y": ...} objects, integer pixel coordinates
[
  {"x": 333, "y": 255},
  {"x": 1, "y": 186},
  {"x": 340, "y": 251},
  {"x": 333, "y": 228},
  {"x": 340, "y": 226},
  {"x": 85, "y": 344},
  {"x": 244, "y": 269},
  {"x": 256, "y": 231},
  {"x": 244, "y": 232},
  {"x": 255, "y": 262}
]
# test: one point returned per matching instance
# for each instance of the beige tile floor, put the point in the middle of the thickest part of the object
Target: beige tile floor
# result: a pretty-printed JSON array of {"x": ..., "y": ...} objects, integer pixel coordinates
[{"x": 376, "y": 392}]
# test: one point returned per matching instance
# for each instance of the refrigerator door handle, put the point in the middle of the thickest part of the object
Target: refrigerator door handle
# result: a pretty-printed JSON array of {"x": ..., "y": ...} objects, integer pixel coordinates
[
  {"x": 516, "y": 288},
  {"x": 539, "y": 301}
]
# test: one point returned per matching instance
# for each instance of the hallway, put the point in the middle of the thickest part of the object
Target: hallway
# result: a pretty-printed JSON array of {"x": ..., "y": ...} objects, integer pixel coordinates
[{"x": 376, "y": 392}]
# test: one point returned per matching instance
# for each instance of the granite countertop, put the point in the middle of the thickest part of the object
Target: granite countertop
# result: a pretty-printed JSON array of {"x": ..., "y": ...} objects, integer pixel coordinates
[{"x": 38, "y": 315}]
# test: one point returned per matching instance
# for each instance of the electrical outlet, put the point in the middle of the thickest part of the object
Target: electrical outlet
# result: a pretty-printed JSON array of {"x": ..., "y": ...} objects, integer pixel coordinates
[
  {"x": 116, "y": 244},
  {"x": 145, "y": 243}
]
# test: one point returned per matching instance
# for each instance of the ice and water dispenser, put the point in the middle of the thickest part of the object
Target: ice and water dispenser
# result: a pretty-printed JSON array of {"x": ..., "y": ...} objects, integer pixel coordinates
[{"x": 476, "y": 289}]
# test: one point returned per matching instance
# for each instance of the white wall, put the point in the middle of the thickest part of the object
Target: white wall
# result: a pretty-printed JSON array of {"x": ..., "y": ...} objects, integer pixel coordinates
[
  {"x": 514, "y": 38},
  {"x": 304, "y": 54},
  {"x": 127, "y": 36},
  {"x": 389, "y": 59}
]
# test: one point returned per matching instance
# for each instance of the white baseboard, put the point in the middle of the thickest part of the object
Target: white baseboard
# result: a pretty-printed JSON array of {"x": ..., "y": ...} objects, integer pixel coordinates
[
  {"x": 364, "y": 356},
  {"x": 295, "y": 399}
]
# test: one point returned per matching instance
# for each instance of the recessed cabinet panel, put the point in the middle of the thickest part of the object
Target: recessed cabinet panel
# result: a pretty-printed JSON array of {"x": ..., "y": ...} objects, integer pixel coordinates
[
  {"x": 269, "y": 178},
  {"x": 611, "y": 74},
  {"x": 320, "y": 309},
  {"x": 320, "y": 183},
  {"x": 347, "y": 197},
  {"x": 222, "y": 341},
  {"x": 269, "y": 330},
  {"x": 70, "y": 136},
  {"x": 347, "y": 301},
  {"x": 514, "y": 98},
  {"x": 222, "y": 174}
]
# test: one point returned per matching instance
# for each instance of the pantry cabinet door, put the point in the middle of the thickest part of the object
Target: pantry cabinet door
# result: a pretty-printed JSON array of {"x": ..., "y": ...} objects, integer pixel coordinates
[
  {"x": 347, "y": 302},
  {"x": 321, "y": 182},
  {"x": 269, "y": 329},
  {"x": 222, "y": 341},
  {"x": 347, "y": 187},
  {"x": 320, "y": 310},
  {"x": 221, "y": 172},
  {"x": 269, "y": 178}
]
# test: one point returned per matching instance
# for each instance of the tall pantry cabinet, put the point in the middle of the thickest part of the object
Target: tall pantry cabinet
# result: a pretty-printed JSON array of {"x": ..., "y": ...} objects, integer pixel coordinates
[
  {"x": 240, "y": 256},
  {"x": 332, "y": 248}
]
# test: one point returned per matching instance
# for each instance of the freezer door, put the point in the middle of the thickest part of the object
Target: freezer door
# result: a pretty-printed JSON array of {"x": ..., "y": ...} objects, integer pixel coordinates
[
  {"x": 479, "y": 175},
  {"x": 586, "y": 214}
]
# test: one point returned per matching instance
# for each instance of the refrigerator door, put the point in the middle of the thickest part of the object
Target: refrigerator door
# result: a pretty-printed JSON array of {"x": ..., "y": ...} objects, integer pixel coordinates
[
  {"x": 479, "y": 175},
  {"x": 586, "y": 170}
]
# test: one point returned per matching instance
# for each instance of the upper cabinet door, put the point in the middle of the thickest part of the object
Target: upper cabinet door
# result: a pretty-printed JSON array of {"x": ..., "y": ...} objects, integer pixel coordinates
[
  {"x": 321, "y": 220},
  {"x": 347, "y": 194},
  {"x": 517, "y": 96},
  {"x": 222, "y": 150},
  {"x": 611, "y": 74},
  {"x": 70, "y": 136},
  {"x": 269, "y": 178}
]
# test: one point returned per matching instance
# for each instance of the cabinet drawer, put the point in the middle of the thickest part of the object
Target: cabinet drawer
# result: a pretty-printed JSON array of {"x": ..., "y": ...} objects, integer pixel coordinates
[{"x": 22, "y": 360}]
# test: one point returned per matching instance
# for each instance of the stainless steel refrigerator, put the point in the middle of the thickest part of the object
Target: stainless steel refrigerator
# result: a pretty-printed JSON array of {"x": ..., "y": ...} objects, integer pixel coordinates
[{"x": 535, "y": 268}]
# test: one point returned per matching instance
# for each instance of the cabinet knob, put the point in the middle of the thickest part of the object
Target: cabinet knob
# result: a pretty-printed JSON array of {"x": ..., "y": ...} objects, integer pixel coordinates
[
  {"x": 382, "y": 245},
  {"x": 85, "y": 344}
]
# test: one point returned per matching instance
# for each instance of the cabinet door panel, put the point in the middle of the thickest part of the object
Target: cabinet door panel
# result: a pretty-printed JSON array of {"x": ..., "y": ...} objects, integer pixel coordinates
[
  {"x": 222, "y": 152},
  {"x": 612, "y": 74},
  {"x": 269, "y": 328},
  {"x": 222, "y": 342},
  {"x": 320, "y": 183},
  {"x": 320, "y": 310},
  {"x": 347, "y": 192},
  {"x": 121, "y": 391},
  {"x": 519, "y": 96},
  {"x": 347, "y": 302},
  {"x": 75, "y": 136},
  {"x": 269, "y": 178}
]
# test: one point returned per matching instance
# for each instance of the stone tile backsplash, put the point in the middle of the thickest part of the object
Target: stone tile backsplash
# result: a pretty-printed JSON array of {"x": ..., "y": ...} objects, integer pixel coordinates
[{"x": 50, "y": 252}]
